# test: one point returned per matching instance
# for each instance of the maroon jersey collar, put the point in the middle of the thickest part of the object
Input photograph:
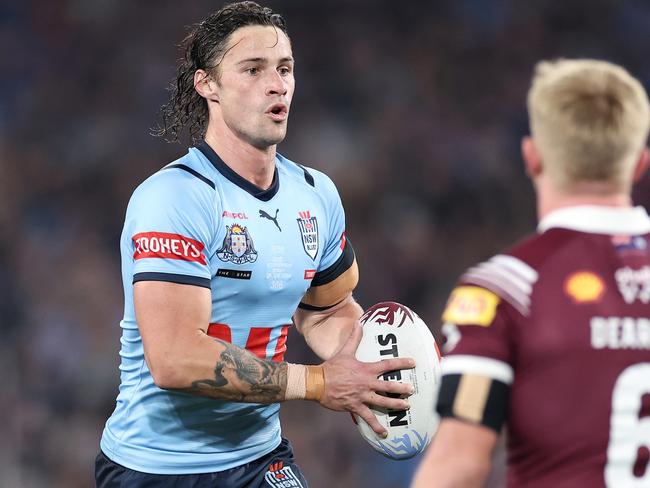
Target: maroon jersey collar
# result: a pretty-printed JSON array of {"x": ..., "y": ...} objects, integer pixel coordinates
[{"x": 598, "y": 219}]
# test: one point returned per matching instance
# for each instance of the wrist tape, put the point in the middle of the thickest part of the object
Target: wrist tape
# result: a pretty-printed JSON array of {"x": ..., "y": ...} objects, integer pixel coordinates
[{"x": 304, "y": 382}]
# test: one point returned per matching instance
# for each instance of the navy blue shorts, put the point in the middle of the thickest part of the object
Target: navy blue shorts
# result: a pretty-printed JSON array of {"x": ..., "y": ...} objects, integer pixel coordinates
[{"x": 275, "y": 470}]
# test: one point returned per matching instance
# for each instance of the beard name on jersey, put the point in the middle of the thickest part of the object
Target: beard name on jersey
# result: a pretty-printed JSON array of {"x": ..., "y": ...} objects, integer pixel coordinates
[{"x": 620, "y": 333}]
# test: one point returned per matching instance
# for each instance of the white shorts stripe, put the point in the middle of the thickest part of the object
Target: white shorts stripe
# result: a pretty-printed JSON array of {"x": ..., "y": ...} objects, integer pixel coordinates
[{"x": 467, "y": 364}]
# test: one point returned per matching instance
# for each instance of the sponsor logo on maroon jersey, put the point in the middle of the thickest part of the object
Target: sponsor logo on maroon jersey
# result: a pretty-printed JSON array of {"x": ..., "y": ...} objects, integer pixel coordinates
[
  {"x": 452, "y": 336},
  {"x": 234, "y": 215},
  {"x": 167, "y": 246},
  {"x": 634, "y": 284},
  {"x": 584, "y": 287},
  {"x": 471, "y": 305}
]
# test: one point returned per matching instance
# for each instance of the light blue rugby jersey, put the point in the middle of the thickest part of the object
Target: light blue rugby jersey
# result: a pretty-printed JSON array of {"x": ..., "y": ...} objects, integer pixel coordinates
[{"x": 197, "y": 222}]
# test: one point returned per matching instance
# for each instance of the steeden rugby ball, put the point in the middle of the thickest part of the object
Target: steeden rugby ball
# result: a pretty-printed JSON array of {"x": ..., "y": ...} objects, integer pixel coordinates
[{"x": 392, "y": 330}]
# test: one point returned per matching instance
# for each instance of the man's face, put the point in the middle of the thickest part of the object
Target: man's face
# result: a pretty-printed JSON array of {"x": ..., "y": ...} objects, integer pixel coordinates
[{"x": 255, "y": 85}]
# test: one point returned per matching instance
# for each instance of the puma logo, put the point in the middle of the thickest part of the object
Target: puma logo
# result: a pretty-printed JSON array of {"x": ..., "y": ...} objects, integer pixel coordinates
[{"x": 264, "y": 215}]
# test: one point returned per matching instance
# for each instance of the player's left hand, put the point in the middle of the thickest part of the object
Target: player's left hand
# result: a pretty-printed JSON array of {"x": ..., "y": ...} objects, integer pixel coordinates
[{"x": 352, "y": 385}]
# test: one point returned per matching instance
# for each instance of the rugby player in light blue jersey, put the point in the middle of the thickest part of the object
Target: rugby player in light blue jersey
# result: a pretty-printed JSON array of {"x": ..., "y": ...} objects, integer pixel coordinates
[{"x": 222, "y": 250}]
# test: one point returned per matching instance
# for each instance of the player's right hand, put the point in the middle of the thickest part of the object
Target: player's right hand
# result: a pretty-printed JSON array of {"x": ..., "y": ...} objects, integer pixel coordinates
[{"x": 353, "y": 386}]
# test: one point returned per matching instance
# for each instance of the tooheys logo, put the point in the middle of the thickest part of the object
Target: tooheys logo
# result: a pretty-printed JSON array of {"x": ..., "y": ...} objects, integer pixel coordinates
[
  {"x": 167, "y": 246},
  {"x": 389, "y": 349}
]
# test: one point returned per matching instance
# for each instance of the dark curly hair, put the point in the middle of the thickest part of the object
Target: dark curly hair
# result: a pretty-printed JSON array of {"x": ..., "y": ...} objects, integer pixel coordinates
[{"x": 203, "y": 48}]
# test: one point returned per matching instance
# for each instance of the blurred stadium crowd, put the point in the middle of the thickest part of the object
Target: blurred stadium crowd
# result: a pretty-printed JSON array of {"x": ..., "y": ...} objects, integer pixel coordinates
[{"x": 414, "y": 108}]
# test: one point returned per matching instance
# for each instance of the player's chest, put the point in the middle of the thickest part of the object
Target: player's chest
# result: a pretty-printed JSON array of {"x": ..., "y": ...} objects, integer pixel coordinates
[{"x": 269, "y": 246}]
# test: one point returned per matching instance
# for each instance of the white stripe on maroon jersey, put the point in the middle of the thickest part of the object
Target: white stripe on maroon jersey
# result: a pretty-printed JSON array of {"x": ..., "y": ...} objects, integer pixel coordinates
[
  {"x": 508, "y": 277},
  {"x": 517, "y": 266},
  {"x": 480, "y": 278},
  {"x": 515, "y": 280},
  {"x": 479, "y": 365}
]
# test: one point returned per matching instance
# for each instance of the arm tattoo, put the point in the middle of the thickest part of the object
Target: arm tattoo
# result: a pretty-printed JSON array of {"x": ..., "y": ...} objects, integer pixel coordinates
[{"x": 258, "y": 380}]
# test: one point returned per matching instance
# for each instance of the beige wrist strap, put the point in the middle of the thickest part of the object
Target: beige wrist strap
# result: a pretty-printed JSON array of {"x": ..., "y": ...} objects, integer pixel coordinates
[
  {"x": 315, "y": 383},
  {"x": 304, "y": 382}
]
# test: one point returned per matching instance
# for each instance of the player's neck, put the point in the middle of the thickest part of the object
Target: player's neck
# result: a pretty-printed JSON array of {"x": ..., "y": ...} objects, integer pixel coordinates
[
  {"x": 254, "y": 165},
  {"x": 549, "y": 199}
]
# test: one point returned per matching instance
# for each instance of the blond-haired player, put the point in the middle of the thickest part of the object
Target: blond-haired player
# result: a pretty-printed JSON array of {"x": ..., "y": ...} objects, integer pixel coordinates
[{"x": 551, "y": 338}]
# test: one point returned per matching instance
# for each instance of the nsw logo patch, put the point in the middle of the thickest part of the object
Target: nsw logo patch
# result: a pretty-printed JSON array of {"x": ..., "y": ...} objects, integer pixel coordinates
[
  {"x": 281, "y": 476},
  {"x": 237, "y": 246},
  {"x": 308, "y": 226}
]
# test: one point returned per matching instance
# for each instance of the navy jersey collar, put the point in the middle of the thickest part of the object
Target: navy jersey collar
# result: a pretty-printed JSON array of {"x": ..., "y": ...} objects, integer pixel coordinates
[{"x": 241, "y": 182}]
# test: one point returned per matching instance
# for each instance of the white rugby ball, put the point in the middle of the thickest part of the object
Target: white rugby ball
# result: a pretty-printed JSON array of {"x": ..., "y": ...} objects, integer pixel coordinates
[{"x": 392, "y": 330}]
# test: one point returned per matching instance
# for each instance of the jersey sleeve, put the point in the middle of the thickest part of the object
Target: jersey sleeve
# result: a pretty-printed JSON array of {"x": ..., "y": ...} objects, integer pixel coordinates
[
  {"x": 477, "y": 366},
  {"x": 476, "y": 323},
  {"x": 480, "y": 327},
  {"x": 337, "y": 273},
  {"x": 170, "y": 224},
  {"x": 337, "y": 249}
]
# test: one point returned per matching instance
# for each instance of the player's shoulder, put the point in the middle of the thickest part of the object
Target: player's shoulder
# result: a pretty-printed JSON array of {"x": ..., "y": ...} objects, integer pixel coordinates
[
  {"x": 185, "y": 173},
  {"x": 305, "y": 176},
  {"x": 184, "y": 180},
  {"x": 536, "y": 249},
  {"x": 510, "y": 275},
  {"x": 513, "y": 273}
]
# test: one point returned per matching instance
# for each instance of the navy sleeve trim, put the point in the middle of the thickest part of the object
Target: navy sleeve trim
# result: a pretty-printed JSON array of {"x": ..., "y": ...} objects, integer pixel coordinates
[
  {"x": 193, "y": 173},
  {"x": 341, "y": 265},
  {"x": 312, "y": 308},
  {"x": 172, "y": 278},
  {"x": 308, "y": 177}
]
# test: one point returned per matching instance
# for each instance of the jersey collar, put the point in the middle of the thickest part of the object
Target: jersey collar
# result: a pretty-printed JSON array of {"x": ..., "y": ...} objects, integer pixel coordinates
[
  {"x": 598, "y": 219},
  {"x": 241, "y": 182}
]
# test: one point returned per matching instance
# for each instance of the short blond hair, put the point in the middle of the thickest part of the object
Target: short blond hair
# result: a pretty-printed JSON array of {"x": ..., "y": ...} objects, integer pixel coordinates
[{"x": 589, "y": 120}]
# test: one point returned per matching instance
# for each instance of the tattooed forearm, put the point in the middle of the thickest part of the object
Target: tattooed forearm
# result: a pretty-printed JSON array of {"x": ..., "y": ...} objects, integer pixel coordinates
[{"x": 241, "y": 376}]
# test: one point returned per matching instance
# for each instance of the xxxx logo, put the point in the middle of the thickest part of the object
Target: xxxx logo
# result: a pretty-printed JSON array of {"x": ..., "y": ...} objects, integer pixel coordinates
[
  {"x": 634, "y": 284},
  {"x": 281, "y": 476}
]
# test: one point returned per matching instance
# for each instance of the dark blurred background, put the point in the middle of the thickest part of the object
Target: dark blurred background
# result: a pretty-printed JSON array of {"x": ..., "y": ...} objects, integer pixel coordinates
[{"x": 414, "y": 108}]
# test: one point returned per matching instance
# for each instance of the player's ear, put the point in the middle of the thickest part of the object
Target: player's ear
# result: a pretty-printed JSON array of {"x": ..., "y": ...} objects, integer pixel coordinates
[
  {"x": 206, "y": 86},
  {"x": 641, "y": 165},
  {"x": 531, "y": 156}
]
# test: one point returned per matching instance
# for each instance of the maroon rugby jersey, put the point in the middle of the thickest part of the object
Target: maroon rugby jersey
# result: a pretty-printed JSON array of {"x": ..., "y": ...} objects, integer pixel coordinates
[{"x": 563, "y": 318}]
